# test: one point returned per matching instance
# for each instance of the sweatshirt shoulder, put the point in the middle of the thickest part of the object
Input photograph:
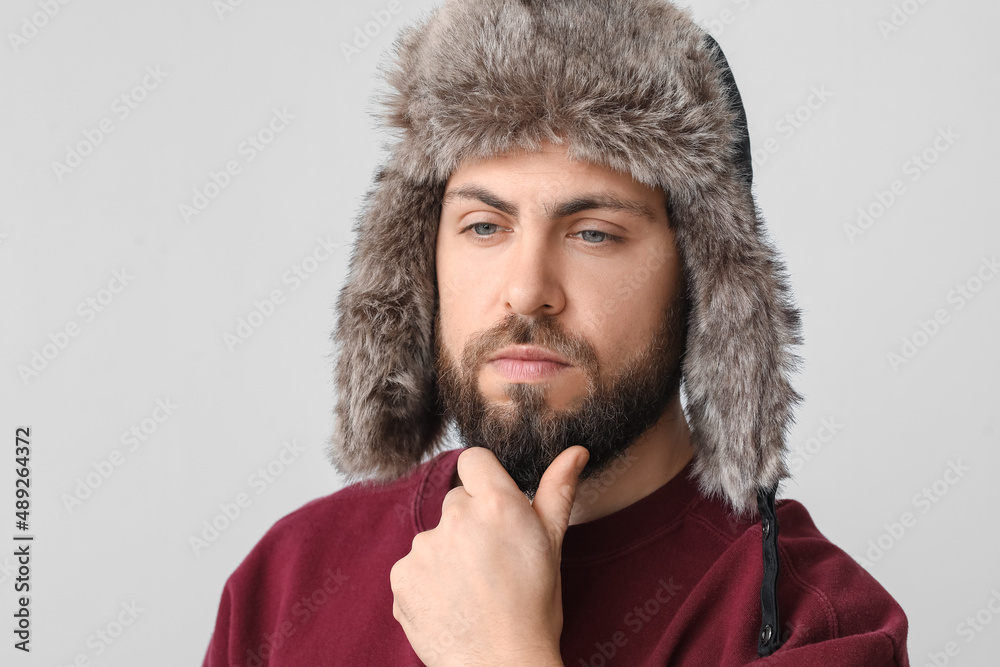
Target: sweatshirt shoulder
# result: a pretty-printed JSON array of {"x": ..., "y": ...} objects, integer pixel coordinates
[
  {"x": 812, "y": 558},
  {"x": 361, "y": 515},
  {"x": 359, "y": 506},
  {"x": 827, "y": 594}
]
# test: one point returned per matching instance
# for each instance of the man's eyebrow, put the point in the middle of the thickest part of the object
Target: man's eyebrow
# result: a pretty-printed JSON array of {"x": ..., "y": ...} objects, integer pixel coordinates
[
  {"x": 578, "y": 204},
  {"x": 483, "y": 195},
  {"x": 605, "y": 201}
]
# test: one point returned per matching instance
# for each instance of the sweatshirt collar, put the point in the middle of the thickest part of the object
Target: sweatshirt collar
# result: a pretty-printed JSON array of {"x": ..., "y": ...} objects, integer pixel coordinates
[{"x": 622, "y": 531}]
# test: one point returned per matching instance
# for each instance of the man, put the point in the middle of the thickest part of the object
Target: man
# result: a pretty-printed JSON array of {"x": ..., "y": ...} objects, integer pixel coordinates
[{"x": 563, "y": 235}]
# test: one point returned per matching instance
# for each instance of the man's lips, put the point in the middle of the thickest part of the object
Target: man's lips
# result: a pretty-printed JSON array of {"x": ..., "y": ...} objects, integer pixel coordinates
[
  {"x": 528, "y": 353},
  {"x": 519, "y": 363}
]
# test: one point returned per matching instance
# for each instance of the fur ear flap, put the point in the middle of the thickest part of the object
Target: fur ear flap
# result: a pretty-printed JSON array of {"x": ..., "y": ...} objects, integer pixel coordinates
[
  {"x": 386, "y": 416},
  {"x": 742, "y": 325}
]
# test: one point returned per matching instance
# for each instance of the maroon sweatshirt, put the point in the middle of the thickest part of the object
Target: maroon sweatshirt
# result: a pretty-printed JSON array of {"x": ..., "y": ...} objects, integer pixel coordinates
[{"x": 672, "y": 579}]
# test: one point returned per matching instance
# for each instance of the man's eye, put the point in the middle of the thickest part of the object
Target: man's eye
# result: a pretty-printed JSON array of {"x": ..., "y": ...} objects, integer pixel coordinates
[
  {"x": 479, "y": 227},
  {"x": 591, "y": 236},
  {"x": 600, "y": 236}
]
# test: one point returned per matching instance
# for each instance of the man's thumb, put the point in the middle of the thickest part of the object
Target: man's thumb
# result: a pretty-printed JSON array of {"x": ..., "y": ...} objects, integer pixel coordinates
[{"x": 557, "y": 489}]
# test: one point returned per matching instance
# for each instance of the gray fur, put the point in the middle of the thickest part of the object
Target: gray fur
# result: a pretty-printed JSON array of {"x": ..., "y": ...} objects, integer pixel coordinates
[{"x": 632, "y": 85}]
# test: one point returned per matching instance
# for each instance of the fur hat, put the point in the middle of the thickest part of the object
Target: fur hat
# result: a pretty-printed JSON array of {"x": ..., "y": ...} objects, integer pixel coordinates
[{"x": 634, "y": 85}]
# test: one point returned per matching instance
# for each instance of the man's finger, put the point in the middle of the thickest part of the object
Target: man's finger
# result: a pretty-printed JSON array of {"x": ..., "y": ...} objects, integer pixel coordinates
[
  {"x": 557, "y": 490},
  {"x": 453, "y": 496},
  {"x": 481, "y": 472}
]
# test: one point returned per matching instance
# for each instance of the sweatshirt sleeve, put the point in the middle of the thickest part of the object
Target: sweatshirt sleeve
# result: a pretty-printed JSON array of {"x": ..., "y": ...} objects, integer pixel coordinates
[
  {"x": 871, "y": 649},
  {"x": 218, "y": 647}
]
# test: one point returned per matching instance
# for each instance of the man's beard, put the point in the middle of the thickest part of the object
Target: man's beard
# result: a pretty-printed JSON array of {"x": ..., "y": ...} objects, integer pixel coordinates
[{"x": 524, "y": 433}]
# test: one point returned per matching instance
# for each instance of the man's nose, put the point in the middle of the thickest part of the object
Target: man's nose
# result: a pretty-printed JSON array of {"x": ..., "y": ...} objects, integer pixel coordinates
[{"x": 533, "y": 283}]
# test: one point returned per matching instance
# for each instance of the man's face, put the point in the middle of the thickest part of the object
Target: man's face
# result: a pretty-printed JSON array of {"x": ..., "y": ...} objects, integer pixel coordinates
[{"x": 538, "y": 252}]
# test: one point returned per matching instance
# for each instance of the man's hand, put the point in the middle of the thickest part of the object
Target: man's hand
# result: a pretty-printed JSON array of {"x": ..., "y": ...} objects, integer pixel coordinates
[{"x": 483, "y": 587}]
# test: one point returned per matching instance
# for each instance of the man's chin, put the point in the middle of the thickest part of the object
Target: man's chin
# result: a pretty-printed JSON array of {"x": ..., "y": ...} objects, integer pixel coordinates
[{"x": 524, "y": 438}]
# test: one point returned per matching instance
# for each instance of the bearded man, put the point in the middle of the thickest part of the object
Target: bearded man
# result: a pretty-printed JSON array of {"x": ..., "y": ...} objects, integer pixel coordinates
[{"x": 563, "y": 237}]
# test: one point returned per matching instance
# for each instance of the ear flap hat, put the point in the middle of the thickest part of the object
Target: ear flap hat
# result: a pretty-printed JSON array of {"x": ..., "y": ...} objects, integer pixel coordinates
[{"x": 633, "y": 85}]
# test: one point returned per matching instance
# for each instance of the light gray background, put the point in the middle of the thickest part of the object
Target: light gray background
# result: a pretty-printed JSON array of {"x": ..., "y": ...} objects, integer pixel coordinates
[{"x": 898, "y": 429}]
